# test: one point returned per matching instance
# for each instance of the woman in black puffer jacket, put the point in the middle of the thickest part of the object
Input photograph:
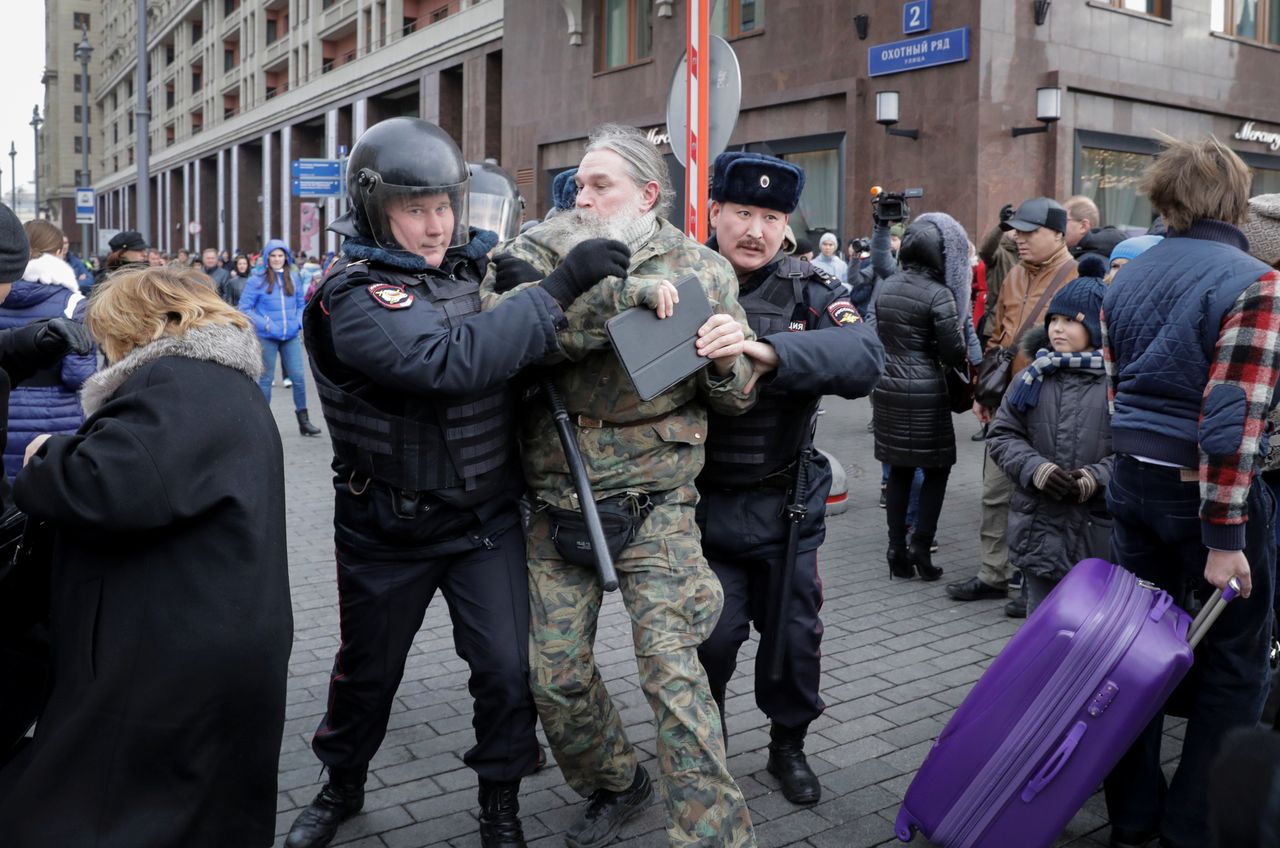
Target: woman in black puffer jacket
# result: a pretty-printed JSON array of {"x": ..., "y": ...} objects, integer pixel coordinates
[{"x": 920, "y": 313}]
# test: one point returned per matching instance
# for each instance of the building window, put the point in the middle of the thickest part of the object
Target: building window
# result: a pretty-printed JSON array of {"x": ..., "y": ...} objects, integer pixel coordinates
[
  {"x": 77, "y": 116},
  {"x": 197, "y": 31},
  {"x": 819, "y": 209},
  {"x": 734, "y": 18},
  {"x": 168, "y": 54},
  {"x": 624, "y": 34},
  {"x": 78, "y": 146},
  {"x": 1256, "y": 20},
  {"x": 115, "y": 133},
  {"x": 229, "y": 6},
  {"x": 81, "y": 179},
  {"x": 195, "y": 82},
  {"x": 1111, "y": 178},
  {"x": 272, "y": 33},
  {"x": 80, "y": 20},
  {"x": 1155, "y": 8},
  {"x": 75, "y": 84}
]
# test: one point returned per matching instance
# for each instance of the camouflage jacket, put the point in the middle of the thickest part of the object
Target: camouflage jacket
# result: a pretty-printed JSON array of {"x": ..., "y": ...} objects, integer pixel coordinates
[{"x": 664, "y": 451}]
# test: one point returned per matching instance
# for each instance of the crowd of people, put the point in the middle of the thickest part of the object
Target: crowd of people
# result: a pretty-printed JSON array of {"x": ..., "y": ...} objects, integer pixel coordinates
[{"x": 1124, "y": 387}]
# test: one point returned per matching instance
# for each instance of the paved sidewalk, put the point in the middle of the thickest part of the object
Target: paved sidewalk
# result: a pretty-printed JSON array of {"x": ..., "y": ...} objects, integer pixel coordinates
[{"x": 897, "y": 658}]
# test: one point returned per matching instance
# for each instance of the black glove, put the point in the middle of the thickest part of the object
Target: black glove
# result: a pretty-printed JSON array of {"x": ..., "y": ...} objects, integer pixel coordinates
[
  {"x": 511, "y": 271},
  {"x": 587, "y": 264},
  {"x": 61, "y": 336},
  {"x": 1055, "y": 482},
  {"x": 1006, "y": 212}
]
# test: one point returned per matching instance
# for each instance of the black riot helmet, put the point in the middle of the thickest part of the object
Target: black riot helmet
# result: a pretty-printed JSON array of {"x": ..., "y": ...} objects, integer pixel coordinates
[
  {"x": 496, "y": 203},
  {"x": 401, "y": 159}
]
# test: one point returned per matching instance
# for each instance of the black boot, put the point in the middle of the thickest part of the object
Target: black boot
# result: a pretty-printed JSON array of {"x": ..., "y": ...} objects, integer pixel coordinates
[
  {"x": 787, "y": 763},
  {"x": 899, "y": 564},
  {"x": 340, "y": 799},
  {"x": 606, "y": 812},
  {"x": 305, "y": 427},
  {"x": 922, "y": 559},
  {"x": 500, "y": 815}
]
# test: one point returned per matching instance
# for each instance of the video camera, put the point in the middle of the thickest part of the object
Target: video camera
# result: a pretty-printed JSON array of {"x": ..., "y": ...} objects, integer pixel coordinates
[
  {"x": 891, "y": 207},
  {"x": 861, "y": 246}
]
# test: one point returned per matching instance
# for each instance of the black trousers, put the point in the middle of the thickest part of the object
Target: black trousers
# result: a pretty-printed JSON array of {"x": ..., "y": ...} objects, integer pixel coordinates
[
  {"x": 744, "y": 539},
  {"x": 382, "y": 604},
  {"x": 932, "y": 492}
]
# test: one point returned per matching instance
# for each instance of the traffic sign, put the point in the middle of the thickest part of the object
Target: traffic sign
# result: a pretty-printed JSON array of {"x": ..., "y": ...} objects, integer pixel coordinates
[
  {"x": 317, "y": 178},
  {"x": 912, "y": 54},
  {"x": 85, "y": 206},
  {"x": 194, "y": 228},
  {"x": 725, "y": 83}
]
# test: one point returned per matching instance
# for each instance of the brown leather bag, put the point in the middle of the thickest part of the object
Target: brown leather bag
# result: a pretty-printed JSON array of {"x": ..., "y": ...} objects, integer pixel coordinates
[{"x": 996, "y": 368}]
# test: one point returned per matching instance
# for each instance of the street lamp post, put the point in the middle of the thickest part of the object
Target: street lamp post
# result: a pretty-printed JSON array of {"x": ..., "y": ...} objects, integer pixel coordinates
[
  {"x": 36, "y": 121},
  {"x": 83, "y": 51},
  {"x": 13, "y": 176}
]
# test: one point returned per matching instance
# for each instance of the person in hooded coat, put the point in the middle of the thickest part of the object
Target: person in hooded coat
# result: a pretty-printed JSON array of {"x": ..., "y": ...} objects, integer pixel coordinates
[
  {"x": 921, "y": 315},
  {"x": 46, "y": 402},
  {"x": 171, "y": 621},
  {"x": 274, "y": 299}
]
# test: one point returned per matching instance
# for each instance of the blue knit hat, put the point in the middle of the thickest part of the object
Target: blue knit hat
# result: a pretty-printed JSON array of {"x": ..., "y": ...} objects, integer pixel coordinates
[
  {"x": 1134, "y": 247},
  {"x": 564, "y": 191},
  {"x": 754, "y": 179},
  {"x": 1081, "y": 299}
]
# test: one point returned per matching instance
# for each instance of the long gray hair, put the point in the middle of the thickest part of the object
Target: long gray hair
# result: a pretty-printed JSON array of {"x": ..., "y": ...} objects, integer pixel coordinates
[{"x": 644, "y": 162}]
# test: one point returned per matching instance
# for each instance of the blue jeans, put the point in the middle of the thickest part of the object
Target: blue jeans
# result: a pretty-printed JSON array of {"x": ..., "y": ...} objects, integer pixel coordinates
[
  {"x": 1157, "y": 537},
  {"x": 290, "y": 351}
]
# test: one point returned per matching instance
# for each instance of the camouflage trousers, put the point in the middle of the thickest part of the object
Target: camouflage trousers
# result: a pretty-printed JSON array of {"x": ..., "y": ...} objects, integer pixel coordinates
[{"x": 674, "y": 601}]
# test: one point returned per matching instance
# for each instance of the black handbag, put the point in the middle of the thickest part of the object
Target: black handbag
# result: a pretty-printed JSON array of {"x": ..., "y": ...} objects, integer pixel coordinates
[
  {"x": 996, "y": 369},
  {"x": 959, "y": 387}
]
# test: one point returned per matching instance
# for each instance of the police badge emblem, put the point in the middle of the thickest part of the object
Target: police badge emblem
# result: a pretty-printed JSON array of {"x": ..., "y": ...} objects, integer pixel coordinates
[
  {"x": 391, "y": 297},
  {"x": 843, "y": 312}
]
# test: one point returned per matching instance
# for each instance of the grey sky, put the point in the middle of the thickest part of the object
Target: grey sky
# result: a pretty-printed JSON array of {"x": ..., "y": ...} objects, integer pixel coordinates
[{"x": 21, "y": 66}]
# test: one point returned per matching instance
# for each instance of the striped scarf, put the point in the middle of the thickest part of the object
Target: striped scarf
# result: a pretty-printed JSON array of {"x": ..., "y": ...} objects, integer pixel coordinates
[{"x": 1025, "y": 393}]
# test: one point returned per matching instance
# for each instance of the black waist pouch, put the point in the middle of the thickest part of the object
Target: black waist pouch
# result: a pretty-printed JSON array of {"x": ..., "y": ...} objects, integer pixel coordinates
[{"x": 620, "y": 518}]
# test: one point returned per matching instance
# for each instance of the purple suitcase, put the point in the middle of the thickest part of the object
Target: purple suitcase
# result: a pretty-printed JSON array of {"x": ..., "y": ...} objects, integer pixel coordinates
[{"x": 1053, "y": 714}]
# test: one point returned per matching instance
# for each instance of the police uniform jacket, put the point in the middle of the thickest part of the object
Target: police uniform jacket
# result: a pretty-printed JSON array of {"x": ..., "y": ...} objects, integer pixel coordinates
[
  {"x": 412, "y": 380},
  {"x": 823, "y": 347}
]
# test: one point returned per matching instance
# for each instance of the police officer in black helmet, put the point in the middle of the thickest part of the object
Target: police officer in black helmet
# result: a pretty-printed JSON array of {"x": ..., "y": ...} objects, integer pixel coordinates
[{"x": 412, "y": 380}]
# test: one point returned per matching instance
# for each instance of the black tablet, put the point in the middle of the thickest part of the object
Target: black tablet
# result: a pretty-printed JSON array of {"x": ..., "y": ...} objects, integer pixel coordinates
[{"x": 657, "y": 354}]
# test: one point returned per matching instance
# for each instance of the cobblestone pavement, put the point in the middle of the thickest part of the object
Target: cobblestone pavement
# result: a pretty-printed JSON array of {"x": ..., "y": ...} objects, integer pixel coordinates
[{"x": 897, "y": 658}]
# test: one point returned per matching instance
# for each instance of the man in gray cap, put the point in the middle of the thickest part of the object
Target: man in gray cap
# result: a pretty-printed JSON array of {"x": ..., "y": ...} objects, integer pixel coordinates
[{"x": 1045, "y": 265}]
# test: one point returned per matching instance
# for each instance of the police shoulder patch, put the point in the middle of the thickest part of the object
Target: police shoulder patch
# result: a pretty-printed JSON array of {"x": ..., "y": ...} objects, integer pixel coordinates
[
  {"x": 391, "y": 297},
  {"x": 843, "y": 312}
]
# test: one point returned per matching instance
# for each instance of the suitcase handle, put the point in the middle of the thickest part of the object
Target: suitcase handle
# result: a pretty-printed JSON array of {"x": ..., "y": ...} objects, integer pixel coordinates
[
  {"x": 1209, "y": 614},
  {"x": 1055, "y": 763}
]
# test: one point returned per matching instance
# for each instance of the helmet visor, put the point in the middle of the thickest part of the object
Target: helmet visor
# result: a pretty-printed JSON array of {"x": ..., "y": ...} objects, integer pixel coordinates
[
  {"x": 496, "y": 212},
  {"x": 424, "y": 220}
]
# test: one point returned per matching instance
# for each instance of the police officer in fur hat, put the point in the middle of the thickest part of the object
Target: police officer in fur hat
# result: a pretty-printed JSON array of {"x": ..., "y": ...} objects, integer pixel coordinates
[
  {"x": 751, "y": 491},
  {"x": 412, "y": 379}
]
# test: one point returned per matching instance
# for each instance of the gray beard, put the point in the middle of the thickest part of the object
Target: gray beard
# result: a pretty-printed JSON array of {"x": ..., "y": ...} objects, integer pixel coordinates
[{"x": 567, "y": 229}]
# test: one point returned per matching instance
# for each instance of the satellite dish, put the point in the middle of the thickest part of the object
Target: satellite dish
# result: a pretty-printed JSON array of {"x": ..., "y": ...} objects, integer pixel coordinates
[{"x": 724, "y": 101}]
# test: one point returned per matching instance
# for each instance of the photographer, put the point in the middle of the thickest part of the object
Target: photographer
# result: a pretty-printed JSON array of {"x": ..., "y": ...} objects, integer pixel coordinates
[{"x": 884, "y": 259}]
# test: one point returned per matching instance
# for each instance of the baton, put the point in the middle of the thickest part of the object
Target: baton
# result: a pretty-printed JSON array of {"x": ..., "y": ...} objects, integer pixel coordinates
[
  {"x": 582, "y": 485},
  {"x": 796, "y": 511}
]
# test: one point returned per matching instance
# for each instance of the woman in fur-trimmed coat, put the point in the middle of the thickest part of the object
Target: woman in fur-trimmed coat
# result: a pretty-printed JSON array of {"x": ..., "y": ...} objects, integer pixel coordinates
[{"x": 170, "y": 618}]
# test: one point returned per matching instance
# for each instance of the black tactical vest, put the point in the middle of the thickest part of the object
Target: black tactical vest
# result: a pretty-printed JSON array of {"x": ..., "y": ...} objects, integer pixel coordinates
[
  {"x": 744, "y": 449},
  {"x": 434, "y": 444}
]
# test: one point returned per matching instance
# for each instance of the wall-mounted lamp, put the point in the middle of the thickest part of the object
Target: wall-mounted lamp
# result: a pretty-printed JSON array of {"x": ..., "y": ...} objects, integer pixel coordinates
[
  {"x": 1042, "y": 11},
  {"x": 887, "y": 115},
  {"x": 1048, "y": 110},
  {"x": 862, "y": 23}
]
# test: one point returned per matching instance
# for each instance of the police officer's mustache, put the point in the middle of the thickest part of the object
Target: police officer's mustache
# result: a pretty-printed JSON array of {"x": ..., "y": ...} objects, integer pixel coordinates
[{"x": 748, "y": 243}]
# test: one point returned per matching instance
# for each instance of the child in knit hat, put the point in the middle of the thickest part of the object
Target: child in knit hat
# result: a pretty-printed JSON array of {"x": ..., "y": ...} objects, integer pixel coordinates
[{"x": 1052, "y": 436}]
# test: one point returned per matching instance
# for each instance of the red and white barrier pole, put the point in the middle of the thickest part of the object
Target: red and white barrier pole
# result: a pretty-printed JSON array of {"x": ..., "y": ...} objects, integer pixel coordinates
[{"x": 697, "y": 133}]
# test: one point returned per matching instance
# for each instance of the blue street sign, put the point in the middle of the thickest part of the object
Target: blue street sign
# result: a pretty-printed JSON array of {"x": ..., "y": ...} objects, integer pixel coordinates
[
  {"x": 916, "y": 16},
  {"x": 925, "y": 51},
  {"x": 317, "y": 178},
  {"x": 84, "y": 206}
]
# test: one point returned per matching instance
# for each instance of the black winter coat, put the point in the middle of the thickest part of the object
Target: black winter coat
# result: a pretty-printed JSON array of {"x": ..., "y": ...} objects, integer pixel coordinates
[
  {"x": 920, "y": 328},
  {"x": 171, "y": 617}
]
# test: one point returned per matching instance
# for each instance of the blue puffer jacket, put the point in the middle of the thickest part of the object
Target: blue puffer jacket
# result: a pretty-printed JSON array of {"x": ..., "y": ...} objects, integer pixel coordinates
[
  {"x": 275, "y": 315},
  {"x": 48, "y": 401}
]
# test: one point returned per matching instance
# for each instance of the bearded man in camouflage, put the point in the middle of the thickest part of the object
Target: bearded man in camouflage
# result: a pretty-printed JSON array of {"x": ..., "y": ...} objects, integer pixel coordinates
[{"x": 642, "y": 458}]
